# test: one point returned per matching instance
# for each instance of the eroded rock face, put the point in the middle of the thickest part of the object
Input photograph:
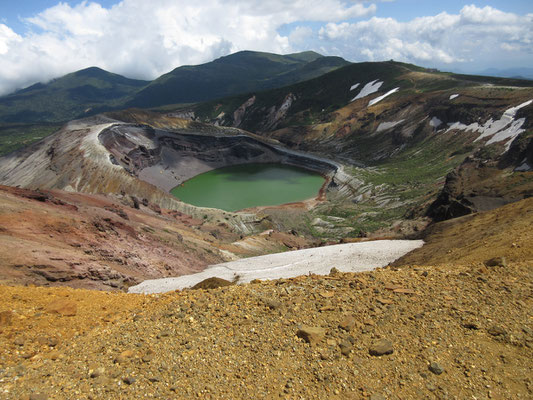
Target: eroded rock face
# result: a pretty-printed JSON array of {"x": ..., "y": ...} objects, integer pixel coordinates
[
  {"x": 239, "y": 112},
  {"x": 483, "y": 182}
]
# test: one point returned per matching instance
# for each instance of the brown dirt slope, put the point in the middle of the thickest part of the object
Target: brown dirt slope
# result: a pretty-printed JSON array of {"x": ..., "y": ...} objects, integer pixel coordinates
[
  {"x": 453, "y": 331},
  {"x": 503, "y": 232},
  {"x": 58, "y": 238},
  {"x": 95, "y": 242}
]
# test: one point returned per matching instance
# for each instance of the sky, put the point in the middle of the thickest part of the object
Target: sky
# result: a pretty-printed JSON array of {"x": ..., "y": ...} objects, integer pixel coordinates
[{"x": 44, "y": 39}]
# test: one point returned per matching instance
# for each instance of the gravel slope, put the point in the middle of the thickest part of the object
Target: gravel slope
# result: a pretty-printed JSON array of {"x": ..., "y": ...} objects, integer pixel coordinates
[{"x": 457, "y": 330}]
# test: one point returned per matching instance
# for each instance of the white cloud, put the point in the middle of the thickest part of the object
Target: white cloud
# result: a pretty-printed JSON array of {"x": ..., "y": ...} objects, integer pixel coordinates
[
  {"x": 299, "y": 35},
  {"x": 474, "y": 34},
  {"x": 7, "y": 38},
  {"x": 144, "y": 39}
]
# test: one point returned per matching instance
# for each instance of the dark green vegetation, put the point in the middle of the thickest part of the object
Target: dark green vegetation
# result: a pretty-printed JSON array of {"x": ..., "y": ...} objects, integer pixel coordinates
[
  {"x": 14, "y": 136},
  {"x": 317, "y": 98},
  {"x": 237, "y": 73},
  {"x": 75, "y": 95},
  {"x": 401, "y": 169},
  {"x": 93, "y": 90},
  {"x": 249, "y": 185},
  {"x": 35, "y": 112},
  {"x": 398, "y": 187}
]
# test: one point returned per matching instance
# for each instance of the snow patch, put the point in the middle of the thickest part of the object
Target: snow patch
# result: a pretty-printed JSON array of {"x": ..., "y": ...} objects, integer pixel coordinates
[
  {"x": 454, "y": 96},
  {"x": 354, "y": 86},
  {"x": 506, "y": 128},
  {"x": 435, "y": 122},
  {"x": 378, "y": 99},
  {"x": 350, "y": 257},
  {"x": 369, "y": 88},
  {"x": 388, "y": 125}
]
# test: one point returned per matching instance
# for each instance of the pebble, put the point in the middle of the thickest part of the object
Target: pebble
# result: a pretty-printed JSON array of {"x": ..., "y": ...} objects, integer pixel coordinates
[
  {"x": 497, "y": 330},
  {"x": 436, "y": 368},
  {"x": 148, "y": 357},
  {"x": 348, "y": 323},
  {"x": 381, "y": 347},
  {"x": 124, "y": 356},
  {"x": 129, "y": 380},
  {"x": 64, "y": 307},
  {"x": 5, "y": 318},
  {"x": 471, "y": 325},
  {"x": 96, "y": 372},
  {"x": 311, "y": 334},
  {"x": 54, "y": 355},
  {"x": 38, "y": 396},
  {"x": 496, "y": 262},
  {"x": 346, "y": 347},
  {"x": 273, "y": 304}
]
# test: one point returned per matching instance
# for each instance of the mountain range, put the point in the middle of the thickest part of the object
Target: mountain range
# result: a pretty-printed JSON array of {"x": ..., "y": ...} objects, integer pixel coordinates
[{"x": 93, "y": 90}]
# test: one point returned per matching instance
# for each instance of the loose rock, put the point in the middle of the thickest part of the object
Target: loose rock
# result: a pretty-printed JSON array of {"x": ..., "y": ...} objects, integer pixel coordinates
[
  {"x": 311, "y": 335},
  {"x": 96, "y": 372},
  {"x": 63, "y": 307},
  {"x": 436, "y": 368},
  {"x": 212, "y": 283},
  {"x": 5, "y": 318},
  {"x": 346, "y": 347},
  {"x": 496, "y": 330},
  {"x": 381, "y": 347},
  {"x": 273, "y": 304},
  {"x": 124, "y": 356},
  {"x": 496, "y": 262},
  {"x": 348, "y": 323},
  {"x": 129, "y": 380}
]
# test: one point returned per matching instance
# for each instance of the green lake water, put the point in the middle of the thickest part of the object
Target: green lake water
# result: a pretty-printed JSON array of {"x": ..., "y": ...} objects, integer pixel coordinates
[{"x": 249, "y": 185}]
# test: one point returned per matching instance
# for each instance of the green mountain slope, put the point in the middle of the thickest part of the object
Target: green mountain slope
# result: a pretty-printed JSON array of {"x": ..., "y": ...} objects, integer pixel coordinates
[
  {"x": 74, "y": 95},
  {"x": 237, "y": 73},
  {"x": 399, "y": 149},
  {"x": 317, "y": 98}
]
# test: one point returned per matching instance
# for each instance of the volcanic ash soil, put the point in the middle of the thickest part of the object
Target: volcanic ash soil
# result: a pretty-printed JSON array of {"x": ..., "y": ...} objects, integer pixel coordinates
[{"x": 453, "y": 332}]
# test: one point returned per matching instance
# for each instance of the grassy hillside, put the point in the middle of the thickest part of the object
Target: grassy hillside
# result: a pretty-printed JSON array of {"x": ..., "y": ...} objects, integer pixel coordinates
[
  {"x": 408, "y": 157},
  {"x": 25, "y": 115},
  {"x": 317, "y": 98},
  {"x": 81, "y": 93},
  {"x": 13, "y": 136},
  {"x": 237, "y": 73}
]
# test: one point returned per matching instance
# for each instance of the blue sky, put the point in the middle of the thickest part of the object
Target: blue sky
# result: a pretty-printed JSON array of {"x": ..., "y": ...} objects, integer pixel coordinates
[
  {"x": 406, "y": 10},
  {"x": 44, "y": 39},
  {"x": 12, "y": 11}
]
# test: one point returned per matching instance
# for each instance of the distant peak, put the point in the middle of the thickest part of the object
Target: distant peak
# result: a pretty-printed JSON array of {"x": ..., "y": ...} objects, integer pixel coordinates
[
  {"x": 92, "y": 71},
  {"x": 307, "y": 56}
]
